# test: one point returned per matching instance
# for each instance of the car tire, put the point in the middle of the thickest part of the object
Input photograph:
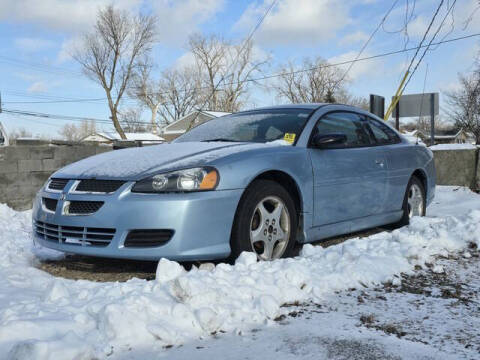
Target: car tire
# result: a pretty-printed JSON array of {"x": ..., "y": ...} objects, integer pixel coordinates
[
  {"x": 266, "y": 222},
  {"x": 415, "y": 188}
]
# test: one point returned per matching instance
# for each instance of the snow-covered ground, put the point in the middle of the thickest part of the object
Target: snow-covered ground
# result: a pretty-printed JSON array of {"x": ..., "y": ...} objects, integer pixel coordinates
[{"x": 201, "y": 313}]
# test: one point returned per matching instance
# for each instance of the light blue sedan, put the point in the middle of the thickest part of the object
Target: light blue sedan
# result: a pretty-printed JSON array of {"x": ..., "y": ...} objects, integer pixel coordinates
[{"x": 263, "y": 180}]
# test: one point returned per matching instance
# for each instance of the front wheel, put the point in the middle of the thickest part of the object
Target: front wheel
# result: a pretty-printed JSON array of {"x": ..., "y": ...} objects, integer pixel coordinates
[
  {"x": 414, "y": 202},
  {"x": 265, "y": 223}
]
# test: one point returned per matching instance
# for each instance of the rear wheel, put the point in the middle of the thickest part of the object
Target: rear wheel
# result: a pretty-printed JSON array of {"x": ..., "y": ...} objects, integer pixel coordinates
[
  {"x": 414, "y": 202},
  {"x": 265, "y": 223}
]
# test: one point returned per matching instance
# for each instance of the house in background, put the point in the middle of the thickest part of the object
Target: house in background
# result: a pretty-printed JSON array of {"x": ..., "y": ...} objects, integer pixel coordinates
[
  {"x": 180, "y": 126},
  {"x": 448, "y": 136},
  {"x": 110, "y": 137}
]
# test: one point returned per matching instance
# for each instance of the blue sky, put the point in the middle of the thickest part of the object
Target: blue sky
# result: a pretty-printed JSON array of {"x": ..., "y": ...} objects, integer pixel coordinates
[{"x": 37, "y": 36}]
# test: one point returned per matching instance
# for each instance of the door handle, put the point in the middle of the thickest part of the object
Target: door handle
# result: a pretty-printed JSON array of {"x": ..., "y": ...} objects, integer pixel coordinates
[{"x": 381, "y": 163}]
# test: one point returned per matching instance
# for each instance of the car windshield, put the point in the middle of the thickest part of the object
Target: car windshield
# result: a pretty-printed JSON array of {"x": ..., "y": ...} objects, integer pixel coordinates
[{"x": 253, "y": 126}]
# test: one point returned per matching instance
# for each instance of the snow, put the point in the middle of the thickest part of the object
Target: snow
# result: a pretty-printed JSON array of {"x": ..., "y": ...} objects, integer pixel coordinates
[
  {"x": 216, "y": 113},
  {"x": 42, "y": 316},
  {"x": 132, "y": 162},
  {"x": 132, "y": 136},
  {"x": 453, "y": 147},
  {"x": 412, "y": 137}
]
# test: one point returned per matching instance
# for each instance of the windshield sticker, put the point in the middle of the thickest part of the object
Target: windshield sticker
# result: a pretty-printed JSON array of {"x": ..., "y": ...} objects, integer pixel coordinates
[{"x": 289, "y": 137}]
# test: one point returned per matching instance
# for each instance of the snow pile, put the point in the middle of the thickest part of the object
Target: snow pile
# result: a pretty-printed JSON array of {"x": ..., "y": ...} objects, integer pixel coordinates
[
  {"x": 453, "y": 147},
  {"x": 50, "y": 318}
]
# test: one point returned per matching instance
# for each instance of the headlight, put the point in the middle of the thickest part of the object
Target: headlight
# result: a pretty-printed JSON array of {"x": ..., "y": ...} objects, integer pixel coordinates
[{"x": 196, "y": 179}]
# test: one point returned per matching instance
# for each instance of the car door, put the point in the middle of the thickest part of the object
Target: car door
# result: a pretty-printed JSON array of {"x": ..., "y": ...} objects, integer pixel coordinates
[
  {"x": 386, "y": 138},
  {"x": 349, "y": 180}
]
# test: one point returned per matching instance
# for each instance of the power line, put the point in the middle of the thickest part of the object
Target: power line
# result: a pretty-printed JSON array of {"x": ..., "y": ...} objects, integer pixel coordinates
[
  {"x": 271, "y": 76},
  {"x": 367, "y": 42},
  {"x": 245, "y": 43},
  {"x": 42, "y": 115},
  {"x": 39, "y": 67},
  {"x": 431, "y": 41},
  {"x": 423, "y": 38},
  {"x": 106, "y": 121}
]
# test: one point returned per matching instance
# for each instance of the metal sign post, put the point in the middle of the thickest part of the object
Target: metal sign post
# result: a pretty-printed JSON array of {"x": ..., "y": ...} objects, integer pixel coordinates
[
  {"x": 377, "y": 105},
  {"x": 418, "y": 105},
  {"x": 432, "y": 119}
]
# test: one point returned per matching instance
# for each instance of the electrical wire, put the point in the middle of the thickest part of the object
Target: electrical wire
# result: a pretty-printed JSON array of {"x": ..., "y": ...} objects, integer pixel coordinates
[
  {"x": 271, "y": 76},
  {"x": 366, "y": 43}
]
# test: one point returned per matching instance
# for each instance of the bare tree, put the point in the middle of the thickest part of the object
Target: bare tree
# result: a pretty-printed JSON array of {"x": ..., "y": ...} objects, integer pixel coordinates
[
  {"x": 132, "y": 122},
  {"x": 319, "y": 83},
  {"x": 111, "y": 53},
  {"x": 149, "y": 92},
  {"x": 224, "y": 68},
  {"x": 241, "y": 64},
  {"x": 464, "y": 104},
  {"x": 209, "y": 53},
  {"x": 73, "y": 132},
  {"x": 182, "y": 92},
  {"x": 20, "y": 133}
]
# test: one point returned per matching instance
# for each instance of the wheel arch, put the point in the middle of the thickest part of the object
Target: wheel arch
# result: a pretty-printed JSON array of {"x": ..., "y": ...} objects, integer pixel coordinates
[{"x": 289, "y": 183}]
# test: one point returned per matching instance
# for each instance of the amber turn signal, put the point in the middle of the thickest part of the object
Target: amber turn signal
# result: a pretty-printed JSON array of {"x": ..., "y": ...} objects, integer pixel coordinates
[{"x": 210, "y": 181}]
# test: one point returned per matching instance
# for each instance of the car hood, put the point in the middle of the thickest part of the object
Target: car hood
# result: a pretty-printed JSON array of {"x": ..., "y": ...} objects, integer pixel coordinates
[{"x": 137, "y": 163}]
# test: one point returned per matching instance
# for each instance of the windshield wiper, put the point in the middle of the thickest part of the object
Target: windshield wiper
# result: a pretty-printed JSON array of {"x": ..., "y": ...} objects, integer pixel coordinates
[{"x": 220, "y": 139}]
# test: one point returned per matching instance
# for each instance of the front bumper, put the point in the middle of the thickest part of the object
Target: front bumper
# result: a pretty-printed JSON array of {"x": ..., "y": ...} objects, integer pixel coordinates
[{"x": 201, "y": 221}]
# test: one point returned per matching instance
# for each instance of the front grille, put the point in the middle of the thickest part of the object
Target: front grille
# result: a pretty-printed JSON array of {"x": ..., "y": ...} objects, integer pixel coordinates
[
  {"x": 57, "y": 184},
  {"x": 50, "y": 204},
  {"x": 99, "y": 186},
  {"x": 83, "y": 207},
  {"x": 147, "y": 238},
  {"x": 74, "y": 235}
]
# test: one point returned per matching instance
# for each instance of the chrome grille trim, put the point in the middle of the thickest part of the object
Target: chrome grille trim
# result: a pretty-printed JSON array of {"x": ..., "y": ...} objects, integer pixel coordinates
[
  {"x": 74, "y": 235},
  {"x": 57, "y": 185},
  {"x": 49, "y": 205},
  {"x": 81, "y": 208},
  {"x": 92, "y": 186}
]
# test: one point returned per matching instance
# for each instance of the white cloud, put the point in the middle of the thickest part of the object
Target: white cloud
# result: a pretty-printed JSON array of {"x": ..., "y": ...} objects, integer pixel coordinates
[
  {"x": 178, "y": 19},
  {"x": 304, "y": 22},
  {"x": 37, "y": 87},
  {"x": 360, "y": 69},
  {"x": 68, "y": 15},
  {"x": 353, "y": 38},
  {"x": 68, "y": 47},
  {"x": 31, "y": 45}
]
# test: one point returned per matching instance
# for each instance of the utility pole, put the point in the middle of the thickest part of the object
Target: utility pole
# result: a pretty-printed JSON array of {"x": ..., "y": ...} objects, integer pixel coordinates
[{"x": 0, "y": 102}]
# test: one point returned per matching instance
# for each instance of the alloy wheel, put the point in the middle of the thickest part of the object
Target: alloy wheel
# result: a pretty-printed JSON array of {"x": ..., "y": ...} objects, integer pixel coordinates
[{"x": 270, "y": 228}]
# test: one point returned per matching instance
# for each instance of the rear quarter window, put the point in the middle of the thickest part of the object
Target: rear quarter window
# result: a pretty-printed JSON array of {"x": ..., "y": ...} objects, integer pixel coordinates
[{"x": 383, "y": 134}]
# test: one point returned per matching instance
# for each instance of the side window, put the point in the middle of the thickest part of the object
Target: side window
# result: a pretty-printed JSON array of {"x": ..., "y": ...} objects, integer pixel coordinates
[
  {"x": 383, "y": 134},
  {"x": 349, "y": 124}
]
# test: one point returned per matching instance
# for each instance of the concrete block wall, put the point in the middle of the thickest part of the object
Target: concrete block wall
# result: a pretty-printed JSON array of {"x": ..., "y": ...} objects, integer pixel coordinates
[
  {"x": 24, "y": 169},
  {"x": 458, "y": 167}
]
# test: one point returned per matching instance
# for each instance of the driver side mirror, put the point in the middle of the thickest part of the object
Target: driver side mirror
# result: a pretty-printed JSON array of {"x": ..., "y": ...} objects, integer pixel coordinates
[{"x": 328, "y": 141}]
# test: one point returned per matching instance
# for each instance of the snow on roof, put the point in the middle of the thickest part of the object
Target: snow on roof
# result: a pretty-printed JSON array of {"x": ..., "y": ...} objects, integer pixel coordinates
[
  {"x": 216, "y": 113},
  {"x": 131, "y": 136}
]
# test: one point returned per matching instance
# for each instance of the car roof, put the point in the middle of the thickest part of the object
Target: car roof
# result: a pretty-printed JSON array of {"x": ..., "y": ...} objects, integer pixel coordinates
[
  {"x": 308, "y": 106},
  {"x": 312, "y": 106}
]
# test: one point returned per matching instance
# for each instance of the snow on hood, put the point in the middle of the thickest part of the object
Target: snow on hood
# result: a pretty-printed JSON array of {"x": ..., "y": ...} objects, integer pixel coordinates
[{"x": 134, "y": 163}]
